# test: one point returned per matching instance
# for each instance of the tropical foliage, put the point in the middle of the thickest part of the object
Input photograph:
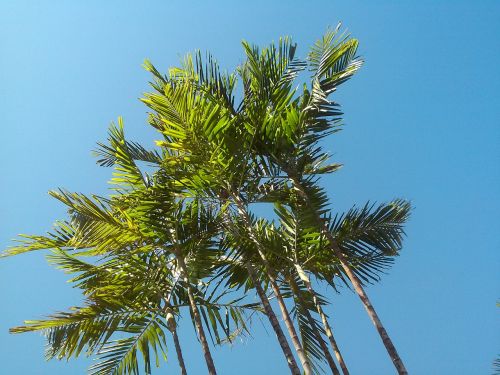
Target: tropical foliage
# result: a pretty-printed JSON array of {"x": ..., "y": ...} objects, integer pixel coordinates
[{"x": 184, "y": 240}]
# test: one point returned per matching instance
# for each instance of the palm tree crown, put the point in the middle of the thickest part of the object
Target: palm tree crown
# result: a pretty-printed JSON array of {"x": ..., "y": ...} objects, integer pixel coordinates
[{"x": 185, "y": 235}]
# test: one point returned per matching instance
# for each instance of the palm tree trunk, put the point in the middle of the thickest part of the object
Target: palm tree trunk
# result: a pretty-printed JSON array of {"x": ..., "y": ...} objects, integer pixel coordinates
[
  {"x": 285, "y": 347},
  {"x": 289, "y": 323},
  {"x": 391, "y": 349},
  {"x": 274, "y": 286},
  {"x": 389, "y": 346},
  {"x": 328, "y": 356},
  {"x": 307, "y": 282},
  {"x": 274, "y": 322},
  {"x": 197, "y": 318},
  {"x": 172, "y": 326},
  {"x": 179, "y": 352}
]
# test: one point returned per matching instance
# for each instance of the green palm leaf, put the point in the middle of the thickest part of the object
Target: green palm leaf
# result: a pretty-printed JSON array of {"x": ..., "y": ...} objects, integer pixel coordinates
[{"x": 121, "y": 356}]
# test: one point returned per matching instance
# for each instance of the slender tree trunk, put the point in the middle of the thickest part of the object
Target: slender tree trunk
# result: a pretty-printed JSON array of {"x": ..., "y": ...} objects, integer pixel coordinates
[
  {"x": 391, "y": 349},
  {"x": 274, "y": 286},
  {"x": 289, "y": 325},
  {"x": 305, "y": 279},
  {"x": 196, "y": 316},
  {"x": 172, "y": 326},
  {"x": 328, "y": 356},
  {"x": 285, "y": 347},
  {"x": 294, "y": 369},
  {"x": 179, "y": 352}
]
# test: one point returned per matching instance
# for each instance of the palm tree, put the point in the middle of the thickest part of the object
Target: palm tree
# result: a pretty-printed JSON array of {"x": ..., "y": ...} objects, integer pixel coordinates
[
  {"x": 289, "y": 130},
  {"x": 172, "y": 327},
  {"x": 303, "y": 306},
  {"x": 272, "y": 277},
  {"x": 372, "y": 235},
  {"x": 196, "y": 126},
  {"x": 191, "y": 221},
  {"x": 305, "y": 250},
  {"x": 241, "y": 260},
  {"x": 122, "y": 296},
  {"x": 154, "y": 251},
  {"x": 276, "y": 133},
  {"x": 272, "y": 133}
]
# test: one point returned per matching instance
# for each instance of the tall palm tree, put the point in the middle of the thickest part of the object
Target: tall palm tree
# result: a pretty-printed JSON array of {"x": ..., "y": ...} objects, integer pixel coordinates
[
  {"x": 277, "y": 132},
  {"x": 241, "y": 260},
  {"x": 172, "y": 326},
  {"x": 372, "y": 235},
  {"x": 144, "y": 239},
  {"x": 192, "y": 217},
  {"x": 289, "y": 130},
  {"x": 305, "y": 251},
  {"x": 302, "y": 305},
  {"x": 272, "y": 277},
  {"x": 197, "y": 126}
]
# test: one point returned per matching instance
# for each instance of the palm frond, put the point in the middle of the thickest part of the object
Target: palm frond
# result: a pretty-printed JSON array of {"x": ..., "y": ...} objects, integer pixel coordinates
[
  {"x": 371, "y": 236},
  {"x": 372, "y": 228},
  {"x": 119, "y": 150},
  {"x": 59, "y": 237},
  {"x": 89, "y": 327},
  {"x": 332, "y": 60},
  {"x": 310, "y": 329},
  {"x": 121, "y": 356},
  {"x": 496, "y": 366}
]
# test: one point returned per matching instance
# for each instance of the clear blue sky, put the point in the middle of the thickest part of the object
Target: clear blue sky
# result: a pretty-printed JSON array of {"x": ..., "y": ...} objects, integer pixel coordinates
[{"x": 422, "y": 122}]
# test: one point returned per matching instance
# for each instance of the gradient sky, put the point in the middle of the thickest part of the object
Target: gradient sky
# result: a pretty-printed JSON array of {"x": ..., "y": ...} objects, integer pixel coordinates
[{"x": 422, "y": 122}]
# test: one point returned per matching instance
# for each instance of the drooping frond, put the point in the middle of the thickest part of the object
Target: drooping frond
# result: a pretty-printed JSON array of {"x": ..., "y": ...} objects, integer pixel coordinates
[
  {"x": 133, "y": 280},
  {"x": 310, "y": 329},
  {"x": 121, "y": 356},
  {"x": 229, "y": 316},
  {"x": 372, "y": 228},
  {"x": 85, "y": 329},
  {"x": 371, "y": 236},
  {"x": 59, "y": 237}
]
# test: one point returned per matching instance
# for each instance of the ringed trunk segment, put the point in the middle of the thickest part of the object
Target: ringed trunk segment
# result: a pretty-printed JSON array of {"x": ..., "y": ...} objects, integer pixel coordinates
[
  {"x": 285, "y": 347},
  {"x": 197, "y": 318},
  {"x": 328, "y": 356},
  {"x": 307, "y": 282},
  {"x": 172, "y": 327},
  {"x": 274, "y": 286},
  {"x": 289, "y": 325},
  {"x": 386, "y": 340},
  {"x": 178, "y": 350},
  {"x": 391, "y": 349}
]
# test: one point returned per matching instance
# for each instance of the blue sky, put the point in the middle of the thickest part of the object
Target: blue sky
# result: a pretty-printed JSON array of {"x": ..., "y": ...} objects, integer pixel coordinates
[{"x": 422, "y": 122}]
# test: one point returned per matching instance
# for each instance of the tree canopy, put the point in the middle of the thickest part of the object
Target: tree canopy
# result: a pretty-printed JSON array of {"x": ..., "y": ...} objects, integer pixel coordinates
[{"x": 181, "y": 238}]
